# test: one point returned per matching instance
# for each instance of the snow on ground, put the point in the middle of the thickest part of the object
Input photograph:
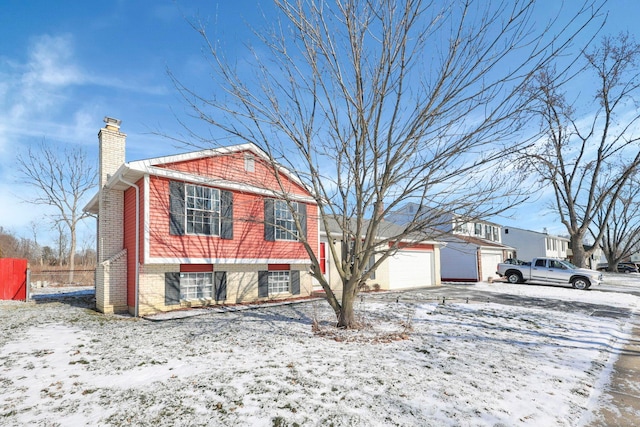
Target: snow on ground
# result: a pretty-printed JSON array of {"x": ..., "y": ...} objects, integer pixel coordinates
[{"x": 481, "y": 363}]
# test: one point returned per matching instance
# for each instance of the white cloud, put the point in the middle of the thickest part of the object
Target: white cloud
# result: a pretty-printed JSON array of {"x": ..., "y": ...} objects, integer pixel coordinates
[{"x": 51, "y": 62}]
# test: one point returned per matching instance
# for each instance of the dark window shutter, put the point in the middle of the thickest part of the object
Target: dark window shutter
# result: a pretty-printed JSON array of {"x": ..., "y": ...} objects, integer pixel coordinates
[
  {"x": 302, "y": 217},
  {"x": 295, "y": 282},
  {"x": 372, "y": 261},
  {"x": 269, "y": 221},
  {"x": 220, "y": 283},
  {"x": 171, "y": 288},
  {"x": 263, "y": 284},
  {"x": 176, "y": 208},
  {"x": 226, "y": 214}
]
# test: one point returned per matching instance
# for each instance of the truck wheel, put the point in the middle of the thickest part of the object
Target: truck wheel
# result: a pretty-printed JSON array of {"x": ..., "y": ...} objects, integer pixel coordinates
[
  {"x": 581, "y": 283},
  {"x": 514, "y": 278}
]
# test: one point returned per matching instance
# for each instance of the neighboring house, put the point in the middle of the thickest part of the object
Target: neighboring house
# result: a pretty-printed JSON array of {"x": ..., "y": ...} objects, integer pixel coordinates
[
  {"x": 416, "y": 264},
  {"x": 471, "y": 248},
  {"x": 533, "y": 244},
  {"x": 197, "y": 228}
]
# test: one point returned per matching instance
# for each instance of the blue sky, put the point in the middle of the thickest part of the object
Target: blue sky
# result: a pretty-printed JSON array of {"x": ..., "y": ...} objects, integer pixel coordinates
[{"x": 64, "y": 65}]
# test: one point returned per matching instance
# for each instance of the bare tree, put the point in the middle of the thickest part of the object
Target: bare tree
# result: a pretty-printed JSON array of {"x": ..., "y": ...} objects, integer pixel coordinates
[
  {"x": 587, "y": 159},
  {"x": 377, "y": 103},
  {"x": 621, "y": 236},
  {"x": 61, "y": 178}
]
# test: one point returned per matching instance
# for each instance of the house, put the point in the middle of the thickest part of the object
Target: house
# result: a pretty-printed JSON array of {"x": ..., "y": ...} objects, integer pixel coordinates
[
  {"x": 205, "y": 227},
  {"x": 416, "y": 263},
  {"x": 532, "y": 244},
  {"x": 471, "y": 248}
]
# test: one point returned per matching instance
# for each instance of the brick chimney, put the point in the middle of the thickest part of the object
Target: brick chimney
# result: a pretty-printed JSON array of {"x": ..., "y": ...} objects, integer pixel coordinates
[
  {"x": 111, "y": 148},
  {"x": 111, "y": 282}
]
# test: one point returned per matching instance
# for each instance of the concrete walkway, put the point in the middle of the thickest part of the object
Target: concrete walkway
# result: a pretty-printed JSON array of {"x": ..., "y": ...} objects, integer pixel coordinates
[{"x": 620, "y": 399}]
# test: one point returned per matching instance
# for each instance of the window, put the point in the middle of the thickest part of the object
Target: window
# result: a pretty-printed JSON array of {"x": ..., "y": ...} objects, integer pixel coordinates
[
  {"x": 285, "y": 225},
  {"x": 556, "y": 264},
  {"x": 196, "y": 286},
  {"x": 278, "y": 282},
  {"x": 279, "y": 223},
  {"x": 540, "y": 262},
  {"x": 203, "y": 210},
  {"x": 478, "y": 230},
  {"x": 548, "y": 244},
  {"x": 194, "y": 209},
  {"x": 554, "y": 242}
]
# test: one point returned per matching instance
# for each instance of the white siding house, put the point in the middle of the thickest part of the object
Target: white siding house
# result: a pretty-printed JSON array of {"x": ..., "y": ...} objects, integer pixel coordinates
[{"x": 532, "y": 244}]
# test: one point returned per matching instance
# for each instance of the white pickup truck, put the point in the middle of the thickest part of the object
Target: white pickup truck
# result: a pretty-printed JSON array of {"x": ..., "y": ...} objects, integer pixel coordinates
[{"x": 549, "y": 271}]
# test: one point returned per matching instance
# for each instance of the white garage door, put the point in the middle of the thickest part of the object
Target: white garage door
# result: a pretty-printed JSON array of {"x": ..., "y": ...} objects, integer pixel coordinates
[
  {"x": 410, "y": 269},
  {"x": 489, "y": 262}
]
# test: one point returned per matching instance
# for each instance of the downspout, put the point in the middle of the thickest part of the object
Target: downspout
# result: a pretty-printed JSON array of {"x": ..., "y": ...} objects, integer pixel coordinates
[{"x": 131, "y": 184}]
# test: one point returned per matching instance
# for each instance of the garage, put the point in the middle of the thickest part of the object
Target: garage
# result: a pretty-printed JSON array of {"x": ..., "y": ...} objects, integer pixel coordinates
[
  {"x": 411, "y": 269},
  {"x": 490, "y": 259}
]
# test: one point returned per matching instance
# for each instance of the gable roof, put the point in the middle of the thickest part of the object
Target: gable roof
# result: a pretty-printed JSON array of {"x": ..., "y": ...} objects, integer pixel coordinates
[
  {"x": 406, "y": 213},
  {"x": 386, "y": 230},
  {"x": 450, "y": 238},
  {"x": 542, "y": 233},
  {"x": 134, "y": 171}
]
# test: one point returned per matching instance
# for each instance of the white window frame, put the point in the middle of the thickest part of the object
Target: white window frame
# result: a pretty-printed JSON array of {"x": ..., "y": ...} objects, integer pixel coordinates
[
  {"x": 279, "y": 282},
  {"x": 284, "y": 223},
  {"x": 202, "y": 209},
  {"x": 196, "y": 285},
  {"x": 477, "y": 229}
]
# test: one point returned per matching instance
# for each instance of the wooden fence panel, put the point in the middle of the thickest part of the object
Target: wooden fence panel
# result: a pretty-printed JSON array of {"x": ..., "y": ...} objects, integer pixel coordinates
[{"x": 13, "y": 279}]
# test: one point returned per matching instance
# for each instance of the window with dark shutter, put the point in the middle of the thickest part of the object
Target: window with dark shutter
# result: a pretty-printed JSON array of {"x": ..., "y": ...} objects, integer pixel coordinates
[
  {"x": 226, "y": 212},
  {"x": 263, "y": 284},
  {"x": 220, "y": 281},
  {"x": 302, "y": 217},
  {"x": 295, "y": 282},
  {"x": 176, "y": 208},
  {"x": 269, "y": 222},
  {"x": 171, "y": 288},
  {"x": 195, "y": 209},
  {"x": 372, "y": 261}
]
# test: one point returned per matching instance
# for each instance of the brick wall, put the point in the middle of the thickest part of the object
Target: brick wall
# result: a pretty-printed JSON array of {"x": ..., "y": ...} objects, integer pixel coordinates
[
  {"x": 111, "y": 272},
  {"x": 242, "y": 284}
]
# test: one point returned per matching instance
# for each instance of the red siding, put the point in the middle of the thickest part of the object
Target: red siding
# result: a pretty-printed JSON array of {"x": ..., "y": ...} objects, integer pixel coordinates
[
  {"x": 130, "y": 237},
  {"x": 231, "y": 167},
  {"x": 196, "y": 268},
  {"x": 248, "y": 231}
]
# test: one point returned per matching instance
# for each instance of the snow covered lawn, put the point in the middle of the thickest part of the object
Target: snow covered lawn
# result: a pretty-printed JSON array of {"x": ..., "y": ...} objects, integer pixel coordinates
[{"x": 419, "y": 363}]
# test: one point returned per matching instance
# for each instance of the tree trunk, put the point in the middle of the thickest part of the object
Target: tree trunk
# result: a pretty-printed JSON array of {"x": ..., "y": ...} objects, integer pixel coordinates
[
  {"x": 72, "y": 254},
  {"x": 578, "y": 251},
  {"x": 346, "y": 318}
]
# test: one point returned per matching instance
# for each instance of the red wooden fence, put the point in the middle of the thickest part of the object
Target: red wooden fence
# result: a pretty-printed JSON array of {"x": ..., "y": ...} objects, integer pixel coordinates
[{"x": 13, "y": 279}]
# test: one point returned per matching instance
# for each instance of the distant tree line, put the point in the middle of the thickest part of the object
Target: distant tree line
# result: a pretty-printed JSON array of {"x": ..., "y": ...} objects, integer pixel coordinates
[{"x": 12, "y": 246}]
